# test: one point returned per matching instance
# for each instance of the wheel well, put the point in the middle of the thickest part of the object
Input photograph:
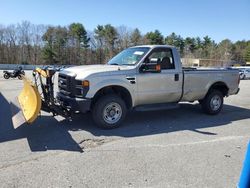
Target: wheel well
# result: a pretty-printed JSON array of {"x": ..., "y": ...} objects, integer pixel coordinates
[
  {"x": 220, "y": 86},
  {"x": 118, "y": 90}
]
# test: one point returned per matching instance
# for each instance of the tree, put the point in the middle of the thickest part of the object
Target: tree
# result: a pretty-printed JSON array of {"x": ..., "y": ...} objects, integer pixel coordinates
[
  {"x": 175, "y": 40},
  {"x": 154, "y": 37},
  {"x": 135, "y": 37},
  {"x": 37, "y": 44},
  {"x": 55, "y": 45},
  {"x": 247, "y": 53},
  {"x": 48, "y": 52},
  {"x": 24, "y": 32},
  {"x": 198, "y": 42},
  {"x": 110, "y": 36},
  {"x": 11, "y": 37},
  {"x": 106, "y": 36},
  {"x": 36, "y": 40},
  {"x": 190, "y": 44},
  {"x": 208, "y": 48},
  {"x": 123, "y": 37},
  {"x": 238, "y": 50},
  {"x": 224, "y": 50},
  {"x": 78, "y": 41},
  {"x": 2, "y": 44},
  {"x": 78, "y": 33}
]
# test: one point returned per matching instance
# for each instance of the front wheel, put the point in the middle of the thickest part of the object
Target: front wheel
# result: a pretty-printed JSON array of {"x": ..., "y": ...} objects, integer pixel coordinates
[
  {"x": 242, "y": 76},
  {"x": 6, "y": 76},
  {"x": 19, "y": 77},
  {"x": 213, "y": 102},
  {"x": 109, "y": 111}
]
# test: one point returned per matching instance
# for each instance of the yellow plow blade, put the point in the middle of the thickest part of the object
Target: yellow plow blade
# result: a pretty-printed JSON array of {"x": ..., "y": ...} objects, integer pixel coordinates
[{"x": 28, "y": 104}]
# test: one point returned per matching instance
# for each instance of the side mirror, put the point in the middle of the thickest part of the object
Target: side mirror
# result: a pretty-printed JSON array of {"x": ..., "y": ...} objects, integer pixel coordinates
[{"x": 153, "y": 66}]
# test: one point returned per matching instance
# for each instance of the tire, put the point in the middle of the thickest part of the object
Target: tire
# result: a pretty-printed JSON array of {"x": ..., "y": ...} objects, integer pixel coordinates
[
  {"x": 109, "y": 112},
  {"x": 242, "y": 76},
  {"x": 213, "y": 102},
  {"x": 6, "y": 76},
  {"x": 19, "y": 77}
]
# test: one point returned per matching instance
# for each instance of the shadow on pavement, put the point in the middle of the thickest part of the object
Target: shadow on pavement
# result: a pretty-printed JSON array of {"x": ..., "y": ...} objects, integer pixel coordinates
[
  {"x": 41, "y": 136},
  {"x": 188, "y": 117},
  {"x": 49, "y": 134}
]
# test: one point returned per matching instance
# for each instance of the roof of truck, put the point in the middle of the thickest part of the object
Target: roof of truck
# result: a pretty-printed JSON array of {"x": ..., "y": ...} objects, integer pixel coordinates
[{"x": 154, "y": 46}]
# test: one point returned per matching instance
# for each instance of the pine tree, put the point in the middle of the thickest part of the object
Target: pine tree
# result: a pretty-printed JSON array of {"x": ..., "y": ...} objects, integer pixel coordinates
[
  {"x": 247, "y": 54},
  {"x": 154, "y": 37}
]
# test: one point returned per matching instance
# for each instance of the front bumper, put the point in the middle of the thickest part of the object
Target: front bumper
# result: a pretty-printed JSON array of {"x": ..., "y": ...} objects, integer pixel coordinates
[{"x": 74, "y": 104}]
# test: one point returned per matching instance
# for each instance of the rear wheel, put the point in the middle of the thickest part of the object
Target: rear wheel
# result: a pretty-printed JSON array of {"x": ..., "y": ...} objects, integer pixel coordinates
[
  {"x": 6, "y": 76},
  {"x": 213, "y": 102},
  {"x": 109, "y": 111}
]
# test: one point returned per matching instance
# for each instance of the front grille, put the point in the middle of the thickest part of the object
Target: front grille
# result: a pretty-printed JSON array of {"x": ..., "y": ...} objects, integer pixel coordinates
[
  {"x": 69, "y": 86},
  {"x": 66, "y": 84}
]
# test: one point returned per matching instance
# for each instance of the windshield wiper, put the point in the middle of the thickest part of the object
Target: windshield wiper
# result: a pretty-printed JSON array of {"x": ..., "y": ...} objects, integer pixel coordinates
[
  {"x": 122, "y": 64},
  {"x": 114, "y": 64}
]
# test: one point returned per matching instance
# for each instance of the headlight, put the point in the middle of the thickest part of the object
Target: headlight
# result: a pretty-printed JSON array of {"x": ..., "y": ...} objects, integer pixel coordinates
[{"x": 82, "y": 87}]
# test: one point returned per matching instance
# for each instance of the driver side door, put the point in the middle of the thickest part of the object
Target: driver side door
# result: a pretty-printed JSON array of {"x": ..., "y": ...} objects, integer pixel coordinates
[{"x": 161, "y": 87}]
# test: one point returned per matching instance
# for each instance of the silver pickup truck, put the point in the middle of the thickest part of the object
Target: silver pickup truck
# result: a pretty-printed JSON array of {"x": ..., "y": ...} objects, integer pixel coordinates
[{"x": 143, "y": 78}]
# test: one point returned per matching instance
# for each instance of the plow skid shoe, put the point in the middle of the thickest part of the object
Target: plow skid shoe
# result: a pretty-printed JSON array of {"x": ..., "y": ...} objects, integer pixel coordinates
[{"x": 26, "y": 107}]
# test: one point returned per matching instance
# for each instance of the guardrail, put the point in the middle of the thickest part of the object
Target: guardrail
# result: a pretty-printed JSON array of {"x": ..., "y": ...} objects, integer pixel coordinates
[{"x": 26, "y": 67}]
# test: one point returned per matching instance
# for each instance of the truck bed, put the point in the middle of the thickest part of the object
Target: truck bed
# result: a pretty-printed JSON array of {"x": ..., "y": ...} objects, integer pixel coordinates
[{"x": 197, "y": 81}]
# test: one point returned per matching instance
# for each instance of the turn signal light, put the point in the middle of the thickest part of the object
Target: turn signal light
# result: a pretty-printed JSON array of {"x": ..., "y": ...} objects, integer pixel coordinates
[
  {"x": 85, "y": 83},
  {"x": 158, "y": 67}
]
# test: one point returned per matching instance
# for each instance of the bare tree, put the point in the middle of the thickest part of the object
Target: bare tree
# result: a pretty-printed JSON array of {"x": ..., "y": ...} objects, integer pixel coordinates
[
  {"x": 123, "y": 37},
  {"x": 24, "y": 36}
]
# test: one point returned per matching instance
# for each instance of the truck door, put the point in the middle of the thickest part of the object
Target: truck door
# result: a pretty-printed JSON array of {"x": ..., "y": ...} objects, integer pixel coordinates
[{"x": 161, "y": 87}]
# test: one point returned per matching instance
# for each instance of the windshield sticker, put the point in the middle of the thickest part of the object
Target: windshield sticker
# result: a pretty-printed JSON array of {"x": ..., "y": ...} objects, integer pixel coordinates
[{"x": 138, "y": 53}]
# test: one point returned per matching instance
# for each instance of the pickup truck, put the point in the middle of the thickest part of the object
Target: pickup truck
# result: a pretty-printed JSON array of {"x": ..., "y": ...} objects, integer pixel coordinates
[{"x": 147, "y": 77}]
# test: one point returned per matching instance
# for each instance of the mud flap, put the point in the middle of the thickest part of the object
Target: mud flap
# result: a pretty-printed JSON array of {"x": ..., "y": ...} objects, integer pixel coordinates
[{"x": 27, "y": 105}]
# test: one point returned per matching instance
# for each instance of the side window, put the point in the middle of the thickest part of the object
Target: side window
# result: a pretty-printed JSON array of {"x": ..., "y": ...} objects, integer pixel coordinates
[{"x": 164, "y": 56}]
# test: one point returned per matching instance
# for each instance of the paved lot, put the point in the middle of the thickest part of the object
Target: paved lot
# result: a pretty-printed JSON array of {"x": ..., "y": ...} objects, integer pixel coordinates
[{"x": 175, "y": 148}]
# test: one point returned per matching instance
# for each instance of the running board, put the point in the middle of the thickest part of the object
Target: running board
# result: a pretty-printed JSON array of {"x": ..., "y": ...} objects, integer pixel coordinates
[{"x": 154, "y": 107}]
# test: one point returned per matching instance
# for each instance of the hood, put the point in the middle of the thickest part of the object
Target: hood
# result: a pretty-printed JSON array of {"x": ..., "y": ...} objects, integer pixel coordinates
[{"x": 85, "y": 70}]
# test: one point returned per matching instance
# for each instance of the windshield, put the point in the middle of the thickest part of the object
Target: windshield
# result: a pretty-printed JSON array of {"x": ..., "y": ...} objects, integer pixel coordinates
[{"x": 130, "y": 56}]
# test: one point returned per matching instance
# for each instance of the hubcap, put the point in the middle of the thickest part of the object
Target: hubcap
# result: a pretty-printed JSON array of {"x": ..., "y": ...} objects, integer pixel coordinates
[
  {"x": 215, "y": 102},
  {"x": 112, "y": 113}
]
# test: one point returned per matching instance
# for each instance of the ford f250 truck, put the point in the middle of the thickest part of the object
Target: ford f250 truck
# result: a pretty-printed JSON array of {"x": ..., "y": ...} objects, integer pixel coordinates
[{"x": 145, "y": 77}]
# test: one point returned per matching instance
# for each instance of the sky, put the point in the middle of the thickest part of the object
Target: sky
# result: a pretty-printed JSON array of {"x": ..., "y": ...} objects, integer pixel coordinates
[{"x": 219, "y": 19}]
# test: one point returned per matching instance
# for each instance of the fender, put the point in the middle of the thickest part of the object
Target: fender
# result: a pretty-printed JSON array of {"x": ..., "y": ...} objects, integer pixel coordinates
[{"x": 112, "y": 82}]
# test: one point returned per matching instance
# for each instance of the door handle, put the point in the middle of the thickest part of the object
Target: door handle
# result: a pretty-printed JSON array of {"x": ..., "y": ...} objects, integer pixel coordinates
[
  {"x": 132, "y": 80},
  {"x": 176, "y": 77}
]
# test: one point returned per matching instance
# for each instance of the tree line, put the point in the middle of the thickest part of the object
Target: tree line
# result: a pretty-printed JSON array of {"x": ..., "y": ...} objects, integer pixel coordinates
[{"x": 27, "y": 43}]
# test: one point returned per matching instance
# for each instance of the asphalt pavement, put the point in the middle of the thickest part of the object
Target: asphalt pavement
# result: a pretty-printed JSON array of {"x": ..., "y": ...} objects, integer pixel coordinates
[{"x": 171, "y": 148}]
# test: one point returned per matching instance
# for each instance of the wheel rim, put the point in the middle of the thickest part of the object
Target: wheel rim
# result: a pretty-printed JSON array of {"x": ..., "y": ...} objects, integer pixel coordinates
[
  {"x": 112, "y": 113},
  {"x": 215, "y": 103}
]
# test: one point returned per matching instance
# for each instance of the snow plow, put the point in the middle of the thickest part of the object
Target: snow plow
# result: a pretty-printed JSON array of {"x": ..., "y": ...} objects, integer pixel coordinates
[{"x": 36, "y": 96}]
